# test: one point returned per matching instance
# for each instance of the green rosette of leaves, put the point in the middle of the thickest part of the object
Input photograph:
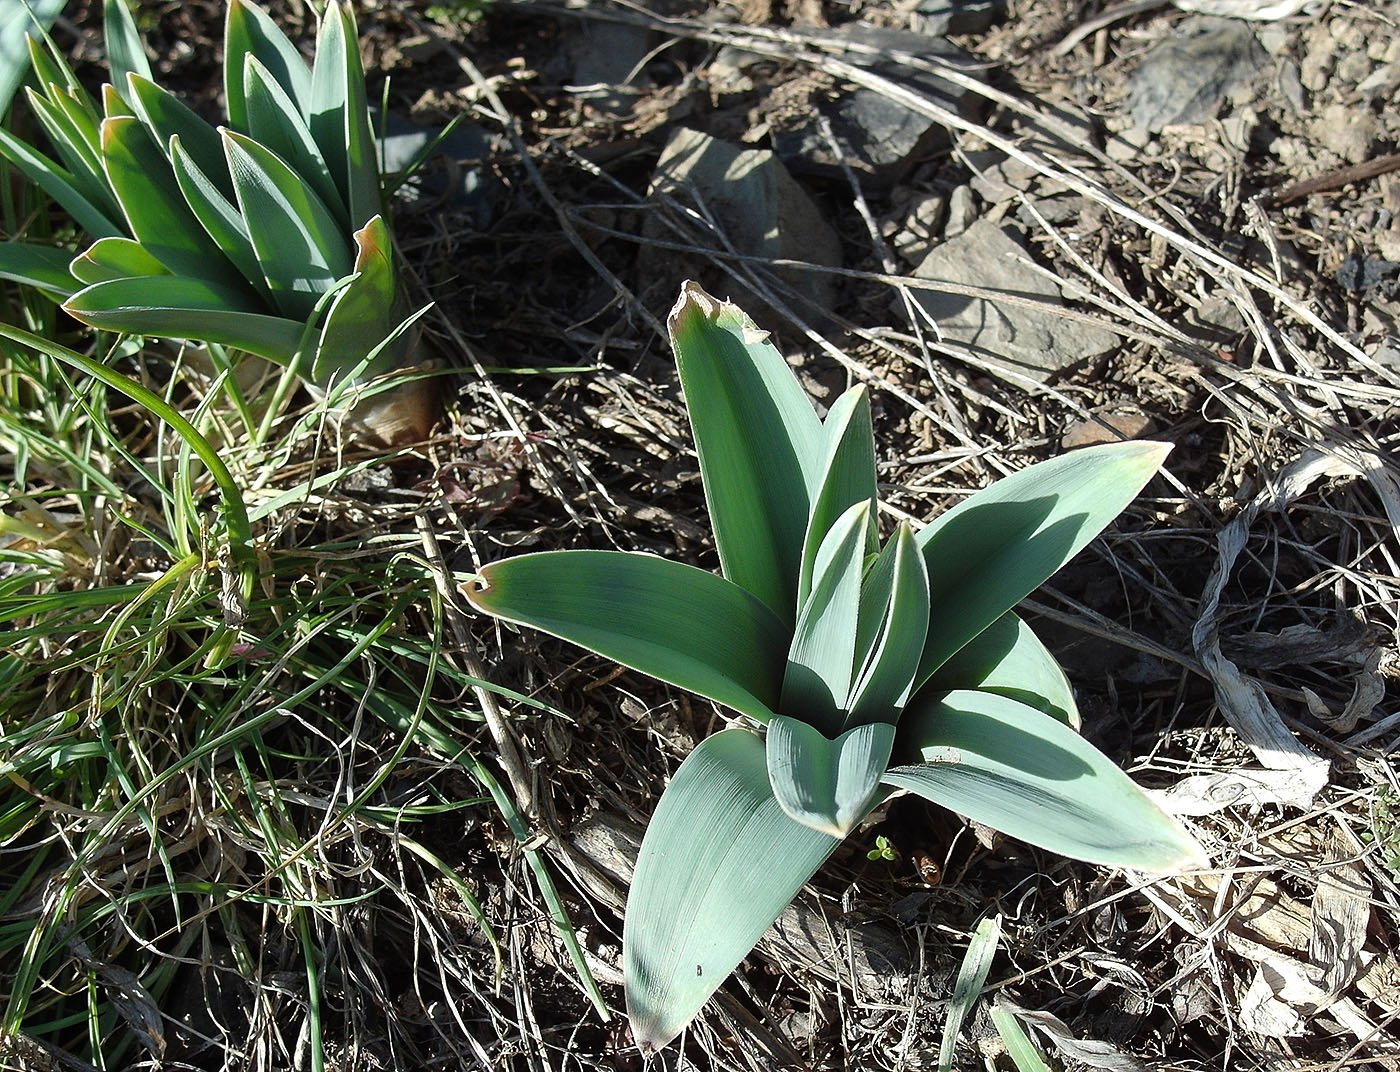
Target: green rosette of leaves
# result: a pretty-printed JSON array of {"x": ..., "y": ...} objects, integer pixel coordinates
[
  {"x": 265, "y": 234},
  {"x": 859, "y": 668}
]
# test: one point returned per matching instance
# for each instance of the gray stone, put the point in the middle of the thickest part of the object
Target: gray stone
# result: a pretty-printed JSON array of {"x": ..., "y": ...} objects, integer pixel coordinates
[
  {"x": 603, "y": 57},
  {"x": 1182, "y": 79},
  {"x": 760, "y": 207},
  {"x": 879, "y": 138},
  {"x": 962, "y": 211},
  {"x": 1035, "y": 341},
  {"x": 943, "y": 17}
]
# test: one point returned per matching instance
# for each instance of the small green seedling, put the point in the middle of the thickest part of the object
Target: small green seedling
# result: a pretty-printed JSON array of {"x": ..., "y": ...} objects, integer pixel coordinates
[
  {"x": 265, "y": 234},
  {"x": 858, "y": 668},
  {"x": 883, "y": 850}
]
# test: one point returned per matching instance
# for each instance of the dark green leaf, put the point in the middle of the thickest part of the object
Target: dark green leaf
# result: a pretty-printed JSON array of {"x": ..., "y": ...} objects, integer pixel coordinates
[
  {"x": 275, "y": 124},
  {"x": 250, "y": 32},
  {"x": 339, "y": 114},
  {"x": 125, "y": 52},
  {"x": 43, "y": 267},
  {"x": 362, "y": 314},
  {"x": 115, "y": 258},
  {"x": 885, "y": 677}
]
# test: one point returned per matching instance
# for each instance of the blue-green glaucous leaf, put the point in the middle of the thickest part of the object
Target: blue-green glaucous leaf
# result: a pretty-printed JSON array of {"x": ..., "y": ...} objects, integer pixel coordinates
[
  {"x": 181, "y": 308},
  {"x": 60, "y": 184},
  {"x": 1023, "y": 772},
  {"x": 301, "y": 248},
  {"x": 275, "y": 123},
  {"x": 1008, "y": 658},
  {"x": 827, "y": 785},
  {"x": 888, "y": 662},
  {"x": 167, "y": 118},
  {"x": 339, "y": 114},
  {"x": 250, "y": 32},
  {"x": 37, "y": 266},
  {"x": 845, "y": 476},
  {"x": 675, "y": 622},
  {"x": 821, "y": 660},
  {"x": 988, "y": 553},
  {"x": 156, "y": 212},
  {"x": 115, "y": 258},
  {"x": 20, "y": 22},
  {"x": 758, "y": 439},
  {"x": 719, "y": 862},
  {"x": 362, "y": 314},
  {"x": 125, "y": 52},
  {"x": 219, "y": 217}
]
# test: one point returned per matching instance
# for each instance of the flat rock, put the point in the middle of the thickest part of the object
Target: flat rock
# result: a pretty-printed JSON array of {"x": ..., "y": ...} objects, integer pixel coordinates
[
  {"x": 758, "y": 204},
  {"x": 1182, "y": 79},
  {"x": 1036, "y": 342},
  {"x": 941, "y": 18}
]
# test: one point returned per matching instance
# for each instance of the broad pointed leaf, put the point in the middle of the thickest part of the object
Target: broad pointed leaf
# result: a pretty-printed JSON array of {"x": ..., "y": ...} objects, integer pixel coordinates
[
  {"x": 73, "y": 135},
  {"x": 666, "y": 619},
  {"x": 218, "y": 216},
  {"x": 821, "y": 661},
  {"x": 180, "y": 308},
  {"x": 43, "y": 267},
  {"x": 758, "y": 439},
  {"x": 719, "y": 862},
  {"x": 167, "y": 117},
  {"x": 20, "y": 20},
  {"x": 846, "y": 476},
  {"x": 275, "y": 124},
  {"x": 303, "y": 251},
  {"x": 1008, "y": 658},
  {"x": 362, "y": 315},
  {"x": 1028, "y": 775},
  {"x": 827, "y": 785},
  {"x": 249, "y": 31},
  {"x": 125, "y": 52},
  {"x": 156, "y": 211},
  {"x": 885, "y": 677},
  {"x": 115, "y": 258},
  {"x": 987, "y": 554},
  {"x": 339, "y": 114},
  {"x": 60, "y": 184}
]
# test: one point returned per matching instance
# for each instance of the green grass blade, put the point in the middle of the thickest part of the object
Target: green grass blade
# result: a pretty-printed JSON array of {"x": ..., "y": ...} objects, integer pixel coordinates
[
  {"x": 719, "y": 862},
  {"x": 1019, "y": 1046},
  {"x": 846, "y": 476},
  {"x": 301, "y": 248},
  {"x": 885, "y": 678},
  {"x": 339, "y": 114},
  {"x": 275, "y": 123},
  {"x": 988, "y": 553},
  {"x": 250, "y": 32},
  {"x": 666, "y": 619},
  {"x": 821, "y": 660},
  {"x": 167, "y": 117},
  {"x": 972, "y": 977},
  {"x": 42, "y": 267},
  {"x": 1008, "y": 658},
  {"x": 759, "y": 442},
  {"x": 362, "y": 314},
  {"x": 60, "y": 184},
  {"x": 1022, "y": 772},
  {"x": 114, "y": 258},
  {"x": 827, "y": 785},
  {"x": 126, "y": 54},
  {"x": 179, "y": 308}
]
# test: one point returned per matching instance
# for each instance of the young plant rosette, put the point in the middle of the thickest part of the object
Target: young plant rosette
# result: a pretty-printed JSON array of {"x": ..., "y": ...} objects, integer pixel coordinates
[
  {"x": 265, "y": 234},
  {"x": 857, "y": 669}
]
